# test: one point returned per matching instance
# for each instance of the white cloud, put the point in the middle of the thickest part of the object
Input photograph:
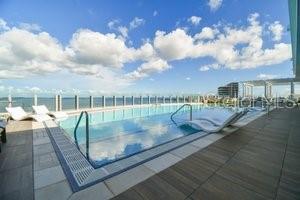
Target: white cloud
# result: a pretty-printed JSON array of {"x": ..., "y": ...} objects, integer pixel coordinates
[
  {"x": 214, "y": 4},
  {"x": 266, "y": 76},
  {"x": 208, "y": 67},
  {"x": 224, "y": 47},
  {"x": 113, "y": 24},
  {"x": 188, "y": 78},
  {"x": 3, "y": 25},
  {"x": 277, "y": 30},
  {"x": 23, "y": 53},
  {"x": 204, "y": 68},
  {"x": 93, "y": 48},
  {"x": 136, "y": 22},
  {"x": 103, "y": 55},
  {"x": 123, "y": 30},
  {"x": 206, "y": 33},
  {"x": 152, "y": 66},
  {"x": 30, "y": 27},
  {"x": 174, "y": 45},
  {"x": 155, "y": 13},
  {"x": 195, "y": 20}
]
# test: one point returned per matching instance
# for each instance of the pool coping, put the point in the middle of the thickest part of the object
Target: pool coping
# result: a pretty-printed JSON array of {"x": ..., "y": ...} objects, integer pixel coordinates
[{"x": 126, "y": 179}]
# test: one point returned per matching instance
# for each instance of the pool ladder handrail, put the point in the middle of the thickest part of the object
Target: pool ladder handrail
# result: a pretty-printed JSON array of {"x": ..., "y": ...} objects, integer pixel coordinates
[
  {"x": 87, "y": 133},
  {"x": 181, "y": 107}
]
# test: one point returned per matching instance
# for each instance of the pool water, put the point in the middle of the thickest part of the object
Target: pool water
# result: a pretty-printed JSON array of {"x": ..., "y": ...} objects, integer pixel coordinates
[{"x": 124, "y": 132}]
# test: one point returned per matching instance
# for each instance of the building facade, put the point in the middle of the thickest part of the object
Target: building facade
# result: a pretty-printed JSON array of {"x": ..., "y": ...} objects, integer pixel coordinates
[{"x": 230, "y": 90}]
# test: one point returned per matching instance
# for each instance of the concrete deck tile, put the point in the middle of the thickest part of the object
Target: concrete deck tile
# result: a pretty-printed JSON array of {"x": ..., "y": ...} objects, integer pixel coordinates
[
  {"x": 42, "y": 140},
  {"x": 214, "y": 136},
  {"x": 45, "y": 161},
  {"x": 43, "y": 149},
  {"x": 98, "y": 191},
  {"x": 48, "y": 176},
  {"x": 202, "y": 142},
  {"x": 57, "y": 191},
  {"x": 185, "y": 151},
  {"x": 162, "y": 162}
]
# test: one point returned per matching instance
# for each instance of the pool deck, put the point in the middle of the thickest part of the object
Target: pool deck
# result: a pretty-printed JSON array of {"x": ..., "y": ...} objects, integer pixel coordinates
[{"x": 261, "y": 160}]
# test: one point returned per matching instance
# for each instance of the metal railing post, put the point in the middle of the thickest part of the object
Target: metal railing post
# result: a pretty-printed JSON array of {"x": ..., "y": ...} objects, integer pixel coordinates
[
  {"x": 76, "y": 102},
  {"x": 91, "y": 101},
  {"x": 124, "y": 101},
  {"x": 155, "y": 99},
  {"x": 164, "y": 100},
  {"x": 59, "y": 103},
  {"x": 103, "y": 101},
  {"x": 148, "y": 99},
  {"x": 177, "y": 99},
  {"x": 132, "y": 100},
  {"x": 141, "y": 100}
]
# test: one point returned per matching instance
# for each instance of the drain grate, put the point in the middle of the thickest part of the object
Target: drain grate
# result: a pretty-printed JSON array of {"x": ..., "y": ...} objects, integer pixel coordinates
[
  {"x": 83, "y": 174},
  {"x": 79, "y": 167}
]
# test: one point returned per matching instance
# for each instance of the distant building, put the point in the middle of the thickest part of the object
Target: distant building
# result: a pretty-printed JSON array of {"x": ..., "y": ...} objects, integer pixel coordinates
[{"x": 230, "y": 90}]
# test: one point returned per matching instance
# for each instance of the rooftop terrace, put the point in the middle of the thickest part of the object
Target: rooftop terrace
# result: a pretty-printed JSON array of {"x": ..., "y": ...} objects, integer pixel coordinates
[{"x": 260, "y": 160}]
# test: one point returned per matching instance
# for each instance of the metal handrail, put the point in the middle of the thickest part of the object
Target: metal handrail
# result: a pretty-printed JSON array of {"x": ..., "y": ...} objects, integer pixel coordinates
[
  {"x": 87, "y": 132},
  {"x": 191, "y": 112}
]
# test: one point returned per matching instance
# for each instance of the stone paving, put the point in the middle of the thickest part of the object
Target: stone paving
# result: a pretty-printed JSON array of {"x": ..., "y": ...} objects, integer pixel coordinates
[{"x": 50, "y": 181}]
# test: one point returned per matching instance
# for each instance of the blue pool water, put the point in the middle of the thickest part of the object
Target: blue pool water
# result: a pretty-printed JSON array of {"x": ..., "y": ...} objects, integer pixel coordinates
[{"x": 121, "y": 133}]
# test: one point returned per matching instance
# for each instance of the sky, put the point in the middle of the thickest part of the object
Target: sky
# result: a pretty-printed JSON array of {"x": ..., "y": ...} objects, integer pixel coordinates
[{"x": 139, "y": 46}]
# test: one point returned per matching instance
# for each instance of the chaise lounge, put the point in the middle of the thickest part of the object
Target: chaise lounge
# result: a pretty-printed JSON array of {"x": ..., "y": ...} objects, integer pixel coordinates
[
  {"x": 18, "y": 114},
  {"x": 43, "y": 110},
  {"x": 213, "y": 125}
]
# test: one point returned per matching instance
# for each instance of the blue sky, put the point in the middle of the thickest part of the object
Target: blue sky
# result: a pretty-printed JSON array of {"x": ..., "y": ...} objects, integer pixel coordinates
[{"x": 64, "y": 46}]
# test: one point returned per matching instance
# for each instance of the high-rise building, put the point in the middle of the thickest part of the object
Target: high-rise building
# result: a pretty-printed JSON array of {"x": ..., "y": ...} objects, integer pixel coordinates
[{"x": 230, "y": 90}]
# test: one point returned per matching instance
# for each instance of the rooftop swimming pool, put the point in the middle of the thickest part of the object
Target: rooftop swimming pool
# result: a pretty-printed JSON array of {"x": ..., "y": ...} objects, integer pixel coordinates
[{"x": 117, "y": 134}]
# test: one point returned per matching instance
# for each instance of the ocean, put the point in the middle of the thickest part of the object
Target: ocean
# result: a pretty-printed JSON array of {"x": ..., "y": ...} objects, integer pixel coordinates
[{"x": 68, "y": 103}]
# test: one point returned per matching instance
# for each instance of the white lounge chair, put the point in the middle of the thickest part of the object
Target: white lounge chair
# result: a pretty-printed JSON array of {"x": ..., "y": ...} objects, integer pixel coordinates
[
  {"x": 43, "y": 110},
  {"x": 217, "y": 122},
  {"x": 18, "y": 114},
  {"x": 210, "y": 127}
]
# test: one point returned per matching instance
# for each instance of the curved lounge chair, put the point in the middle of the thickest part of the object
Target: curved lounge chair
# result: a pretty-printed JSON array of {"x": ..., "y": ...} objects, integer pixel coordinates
[
  {"x": 217, "y": 122},
  {"x": 211, "y": 127},
  {"x": 43, "y": 110},
  {"x": 18, "y": 114}
]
